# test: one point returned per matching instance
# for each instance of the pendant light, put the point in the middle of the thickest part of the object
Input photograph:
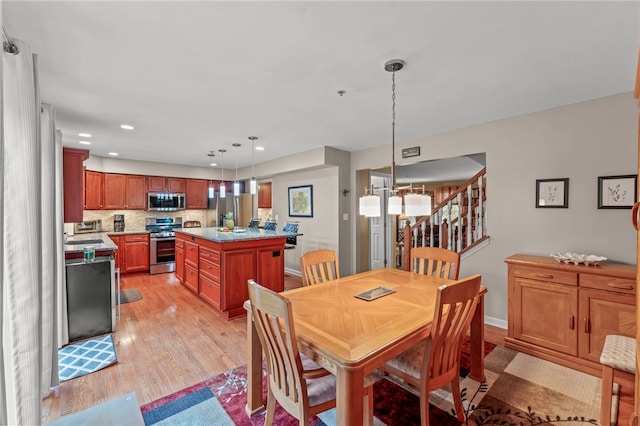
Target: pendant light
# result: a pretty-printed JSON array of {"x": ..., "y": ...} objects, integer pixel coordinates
[
  {"x": 236, "y": 183},
  {"x": 253, "y": 186},
  {"x": 223, "y": 186},
  {"x": 415, "y": 204},
  {"x": 212, "y": 191}
]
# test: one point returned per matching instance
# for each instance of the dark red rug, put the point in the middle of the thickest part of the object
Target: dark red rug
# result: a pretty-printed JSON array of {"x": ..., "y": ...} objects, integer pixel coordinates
[{"x": 221, "y": 400}]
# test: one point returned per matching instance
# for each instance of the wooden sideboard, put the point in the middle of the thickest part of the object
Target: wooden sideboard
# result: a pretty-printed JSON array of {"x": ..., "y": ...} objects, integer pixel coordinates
[{"x": 563, "y": 312}]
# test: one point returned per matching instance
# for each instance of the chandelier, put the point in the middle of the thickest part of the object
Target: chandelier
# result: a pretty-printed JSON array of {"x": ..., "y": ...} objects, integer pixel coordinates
[{"x": 415, "y": 204}]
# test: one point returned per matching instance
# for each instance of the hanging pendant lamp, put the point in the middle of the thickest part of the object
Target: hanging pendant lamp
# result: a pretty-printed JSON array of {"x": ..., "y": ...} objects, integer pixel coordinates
[
  {"x": 223, "y": 186},
  {"x": 236, "y": 183},
  {"x": 253, "y": 186},
  {"x": 212, "y": 191}
]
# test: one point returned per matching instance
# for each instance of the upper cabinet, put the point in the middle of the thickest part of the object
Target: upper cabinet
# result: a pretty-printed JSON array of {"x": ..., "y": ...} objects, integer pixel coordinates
[
  {"x": 72, "y": 175},
  {"x": 93, "y": 190},
  {"x": 124, "y": 192},
  {"x": 196, "y": 193},
  {"x": 165, "y": 184},
  {"x": 264, "y": 195}
]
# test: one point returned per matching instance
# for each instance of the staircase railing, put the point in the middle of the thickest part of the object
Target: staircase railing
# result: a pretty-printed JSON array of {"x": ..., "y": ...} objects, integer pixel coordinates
[{"x": 458, "y": 231}]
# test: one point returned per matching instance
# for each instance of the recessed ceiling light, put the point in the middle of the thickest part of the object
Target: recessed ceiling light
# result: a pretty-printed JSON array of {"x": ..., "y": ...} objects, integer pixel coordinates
[
  {"x": 84, "y": 135},
  {"x": 115, "y": 154},
  {"x": 259, "y": 148},
  {"x": 213, "y": 164},
  {"x": 126, "y": 126},
  {"x": 84, "y": 142}
]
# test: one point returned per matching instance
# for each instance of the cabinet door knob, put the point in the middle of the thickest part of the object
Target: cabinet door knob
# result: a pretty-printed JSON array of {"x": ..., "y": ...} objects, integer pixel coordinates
[
  {"x": 587, "y": 329},
  {"x": 634, "y": 215},
  {"x": 572, "y": 322}
]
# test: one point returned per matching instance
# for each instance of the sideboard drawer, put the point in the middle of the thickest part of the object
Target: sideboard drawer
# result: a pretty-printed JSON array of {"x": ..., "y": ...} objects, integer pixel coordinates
[
  {"x": 547, "y": 275},
  {"x": 601, "y": 282}
]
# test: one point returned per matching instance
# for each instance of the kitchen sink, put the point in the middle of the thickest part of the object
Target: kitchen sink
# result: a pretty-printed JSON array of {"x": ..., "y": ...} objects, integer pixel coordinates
[{"x": 87, "y": 241}]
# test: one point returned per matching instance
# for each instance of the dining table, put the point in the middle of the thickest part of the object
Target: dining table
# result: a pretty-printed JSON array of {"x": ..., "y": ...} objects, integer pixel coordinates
[{"x": 352, "y": 337}]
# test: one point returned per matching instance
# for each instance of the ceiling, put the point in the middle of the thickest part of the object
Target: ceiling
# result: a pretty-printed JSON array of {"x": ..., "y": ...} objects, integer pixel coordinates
[{"x": 199, "y": 76}]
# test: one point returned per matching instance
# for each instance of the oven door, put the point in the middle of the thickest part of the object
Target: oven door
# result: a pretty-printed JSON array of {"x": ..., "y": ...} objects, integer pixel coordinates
[{"x": 162, "y": 255}]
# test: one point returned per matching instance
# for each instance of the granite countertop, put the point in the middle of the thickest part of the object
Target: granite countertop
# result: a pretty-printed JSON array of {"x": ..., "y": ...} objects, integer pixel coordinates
[
  {"x": 214, "y": 234},
  {"x": 144, "y": 231},
  {"x": 99, "y": 241}
]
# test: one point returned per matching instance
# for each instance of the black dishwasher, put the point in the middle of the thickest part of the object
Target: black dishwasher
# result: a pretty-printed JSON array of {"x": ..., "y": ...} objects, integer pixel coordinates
[{"x": 90, "y": 297}]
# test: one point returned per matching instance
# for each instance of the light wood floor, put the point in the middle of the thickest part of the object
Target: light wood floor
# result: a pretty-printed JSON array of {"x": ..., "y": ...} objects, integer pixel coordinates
[{"x": 170, "y": 340}]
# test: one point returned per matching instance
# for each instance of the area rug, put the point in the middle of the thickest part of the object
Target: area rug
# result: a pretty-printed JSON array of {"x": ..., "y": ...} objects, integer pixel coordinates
[
  {"x": 519, "y": 390},
  {"x": 221, "y": 400},
  {"x": 88, "y": 356},
  {"x": 130, "y": 295}
]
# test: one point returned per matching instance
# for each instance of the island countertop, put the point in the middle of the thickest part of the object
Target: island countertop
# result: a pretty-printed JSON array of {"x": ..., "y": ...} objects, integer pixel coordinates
[
  {"x": 247, "y": 234},
  {"x": 99, "y": 241}
]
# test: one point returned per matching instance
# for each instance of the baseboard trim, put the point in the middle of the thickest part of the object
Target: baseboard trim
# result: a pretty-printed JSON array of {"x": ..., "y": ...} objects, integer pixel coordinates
[
  {"x": 495, "y": 322},
  {"x": 290, "y": 271}
]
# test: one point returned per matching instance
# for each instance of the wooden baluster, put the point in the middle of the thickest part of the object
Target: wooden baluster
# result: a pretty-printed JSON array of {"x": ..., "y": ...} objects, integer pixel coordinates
[
  {"x": 423, "y": 228},
  {"x": 469, "y": 216},
  {"x": 480, "y": 209},
  {"x": 459, "y": 245}
]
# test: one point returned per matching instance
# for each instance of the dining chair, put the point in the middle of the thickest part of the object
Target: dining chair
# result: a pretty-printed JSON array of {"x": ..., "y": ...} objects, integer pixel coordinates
[
  {"x": 270, "y": 225},
  {"x": 435, "y": 361},
  {"x": 254, "y": 222},
  {"x": 296, "y": 382},
  {"x": 319, "y": 266},
  {"x": 618, "y": 359},
  {"x": 435, "y": 261},
  {"x": 291, "y": 240}
]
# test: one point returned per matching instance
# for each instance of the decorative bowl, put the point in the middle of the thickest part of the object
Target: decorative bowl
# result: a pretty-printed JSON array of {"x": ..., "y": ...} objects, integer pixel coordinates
[{"x": 578, "y": 259}]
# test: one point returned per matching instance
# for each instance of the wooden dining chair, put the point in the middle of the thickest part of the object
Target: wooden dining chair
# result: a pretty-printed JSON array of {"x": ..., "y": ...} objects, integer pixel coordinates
[
  {"x": 435, "y": 362},
  {"x": 435, "y": 261},
  {"x": 296, "y": 382},
  {"x": 319, "y": 266}
]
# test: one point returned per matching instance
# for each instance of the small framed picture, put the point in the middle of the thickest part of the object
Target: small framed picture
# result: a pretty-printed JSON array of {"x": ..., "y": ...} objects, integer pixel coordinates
[
  {"x": 301, "y": 201},
  {"x": 617, "y": 192},
  {"x": 552, "y": 193}
]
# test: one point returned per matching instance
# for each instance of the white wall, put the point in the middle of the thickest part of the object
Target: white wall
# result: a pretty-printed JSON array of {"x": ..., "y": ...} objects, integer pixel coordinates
[
  {"x": 579, "y": 142},
  {"x": 321, "y": 230}
]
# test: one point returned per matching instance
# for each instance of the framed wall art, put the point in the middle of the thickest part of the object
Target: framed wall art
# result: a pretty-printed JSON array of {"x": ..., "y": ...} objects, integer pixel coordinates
[
  {"x": 301, "y": 201},
  {"x": 617, "y": 192},
  {"x": 552, "y": 193}
]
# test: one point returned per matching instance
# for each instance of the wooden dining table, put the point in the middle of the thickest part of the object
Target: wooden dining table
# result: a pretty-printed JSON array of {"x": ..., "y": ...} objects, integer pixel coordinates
[{"x": 352, "y": 337}]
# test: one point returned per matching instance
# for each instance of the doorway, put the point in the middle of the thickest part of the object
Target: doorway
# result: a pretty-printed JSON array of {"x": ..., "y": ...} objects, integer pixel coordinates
[{"x": 380, "y": 241}]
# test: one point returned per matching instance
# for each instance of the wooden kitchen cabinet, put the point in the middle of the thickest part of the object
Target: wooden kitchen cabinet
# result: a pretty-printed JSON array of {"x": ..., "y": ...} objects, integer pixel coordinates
[
  {"x": 165, "y": 184},
  {"x": 117, "y": 240},
  {"x": 562, "y": 312},
  {"x": 264, "y": 195},
  {"x": 191, "y": 260},
  {"x": 196, "y": 193},
  {"x": 93, "y": 190},
  {"x": 180, "y": 260},
  {"x": 136, "y": 253},
  {"x": 218, "y": 271},
  {"x": 72, "y": 180},
  {"x": 124, "y": 192}
]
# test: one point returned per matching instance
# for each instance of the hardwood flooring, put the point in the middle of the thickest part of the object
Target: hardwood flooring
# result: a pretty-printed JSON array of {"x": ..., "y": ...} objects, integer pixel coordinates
[{"x": 169, "y": 340}]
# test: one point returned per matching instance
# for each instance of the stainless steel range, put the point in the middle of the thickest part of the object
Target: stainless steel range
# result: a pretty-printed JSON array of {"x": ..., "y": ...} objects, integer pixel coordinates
[{"x": 162, "y": 243}]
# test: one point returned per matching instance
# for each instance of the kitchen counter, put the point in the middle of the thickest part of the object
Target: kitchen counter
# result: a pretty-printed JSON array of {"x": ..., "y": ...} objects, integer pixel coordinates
[
  {"x": 77, "y": 243},
  {"x": 214, "y": 234},
  {"x": 143, "y": 231}
]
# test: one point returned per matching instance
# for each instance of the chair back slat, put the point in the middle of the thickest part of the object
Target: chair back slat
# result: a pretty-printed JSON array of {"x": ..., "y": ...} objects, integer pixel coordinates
[
  {"x": 319, "y": 266},
  {"x": 435, "y": 261},
  {"x": 455, "y": 305},
  {"x": 273, "y": 319}
]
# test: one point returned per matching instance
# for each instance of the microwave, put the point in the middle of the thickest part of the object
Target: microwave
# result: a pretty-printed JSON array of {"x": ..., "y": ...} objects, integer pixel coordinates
[{"x": 166, "y": 202}]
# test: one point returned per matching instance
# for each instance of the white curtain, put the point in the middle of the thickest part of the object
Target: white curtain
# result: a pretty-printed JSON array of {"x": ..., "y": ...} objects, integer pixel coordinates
[{"x": 28, "y": 256}]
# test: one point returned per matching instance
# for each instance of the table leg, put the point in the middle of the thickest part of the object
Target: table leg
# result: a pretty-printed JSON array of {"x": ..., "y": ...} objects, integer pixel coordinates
[
  {"x": 349, "y": 397},
  {"x": 477, "y": 342},
  {"x": 255, "y": 404}
]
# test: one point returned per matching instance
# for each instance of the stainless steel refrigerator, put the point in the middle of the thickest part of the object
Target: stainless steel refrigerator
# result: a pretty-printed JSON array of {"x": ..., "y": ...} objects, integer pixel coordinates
[
  {"x": 90, "y": 297},
  {"x": 240, "y": 206}
]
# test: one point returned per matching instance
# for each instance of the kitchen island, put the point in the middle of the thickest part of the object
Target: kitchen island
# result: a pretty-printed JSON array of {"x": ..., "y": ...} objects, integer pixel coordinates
[{"x": 216, "y": 265}]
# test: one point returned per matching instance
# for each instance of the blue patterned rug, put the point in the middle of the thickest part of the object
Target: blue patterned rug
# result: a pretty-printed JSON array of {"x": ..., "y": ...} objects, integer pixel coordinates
[{"x": 82, "y": 358}]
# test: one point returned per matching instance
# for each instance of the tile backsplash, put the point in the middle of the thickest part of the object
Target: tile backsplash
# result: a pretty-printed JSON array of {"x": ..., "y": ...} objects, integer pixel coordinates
[{"x": 134, "y": 220}]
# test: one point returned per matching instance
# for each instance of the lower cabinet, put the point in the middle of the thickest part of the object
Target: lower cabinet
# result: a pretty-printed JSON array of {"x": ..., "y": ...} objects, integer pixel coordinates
[
  {"x": 218, "y": 272},
  {"x": 180, "y": 260},
  {"x": 563, "y": 313},
  {"x": 133, "y": 252}
]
